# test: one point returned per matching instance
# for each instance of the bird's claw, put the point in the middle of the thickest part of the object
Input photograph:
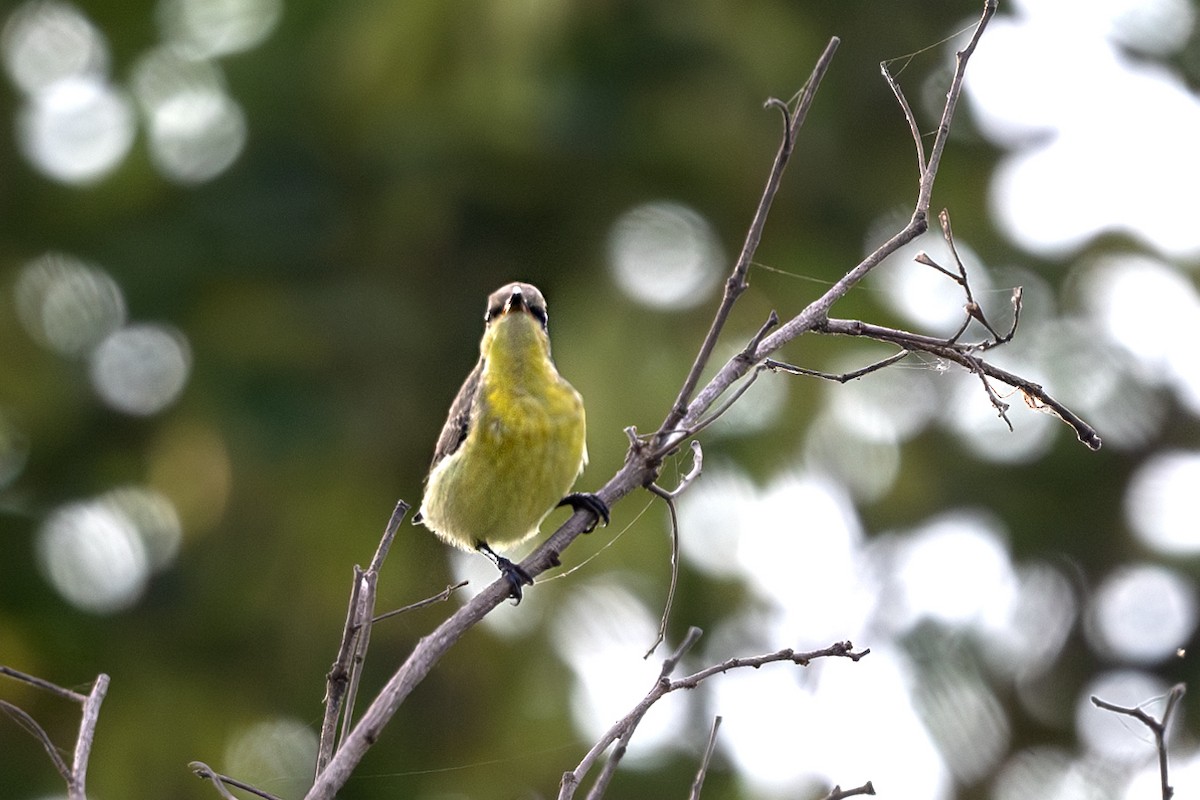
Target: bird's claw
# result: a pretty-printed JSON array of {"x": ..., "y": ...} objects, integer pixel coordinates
[
  {"x": 513, "y": 573},
  {"x": 516, "y": 577},
  {"x": 586, "y": 501}
]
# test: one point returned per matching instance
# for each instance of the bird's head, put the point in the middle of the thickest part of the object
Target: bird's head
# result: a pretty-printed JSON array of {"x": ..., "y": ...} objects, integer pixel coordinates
[{"x": 514, "y": 298}]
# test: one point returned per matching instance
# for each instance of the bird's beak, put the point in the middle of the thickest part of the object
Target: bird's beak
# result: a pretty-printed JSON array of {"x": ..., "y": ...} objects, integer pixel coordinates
[{"x": 516, "y": 301}]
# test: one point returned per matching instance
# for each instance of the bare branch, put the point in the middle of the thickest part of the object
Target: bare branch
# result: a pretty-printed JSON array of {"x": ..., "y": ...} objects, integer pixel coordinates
[
  {"x": 736, "y": 283},
  {"x": 1158, "y": 727},
  {"x": 845, "y": 377},
  {"x": 669, "y": 498},
  {"x": 343, "y": 677},
  {"x": 838, "y": 793},
  {"x": 44, "y": 685},
  {"x": 814, "y": 316},
  {"x": 698, "y": 783},
  {"x": 644, "y": 457},
  {"x": 76, "y": 774},
  {"x": 624, "y": 728},
  {"x": 87, "y": 735},
  {"x": 1034, "y": 394},
  {"x": 31, "y": 726},
  {"x": 440, "y": 597},
  {"x": 219, "y": 781}
]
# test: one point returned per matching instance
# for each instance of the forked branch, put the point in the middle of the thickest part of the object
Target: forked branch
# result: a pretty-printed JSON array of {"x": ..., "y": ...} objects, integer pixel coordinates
[
  {"x": 1158, "y": 727},
  {"x": 691, "y": 410},
  {"x": 75, "y": 774},
  {"x": 621, "y": 732}
]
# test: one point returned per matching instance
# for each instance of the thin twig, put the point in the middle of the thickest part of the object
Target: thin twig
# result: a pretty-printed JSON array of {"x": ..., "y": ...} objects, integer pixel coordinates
[
  {"x": 75, "y": 775},
  {"x": 624, "y": 728},
  {"x": 1158, "y": 727},
  {"x": 816, "y": 313},
  {"x": 440, "y": 597},
  {"x": 219, "y": 781},
  {"x": 44, "y": 685},
  {"x": 844, "y": 377},
  {"x": 341, "y": 683},
  {"x": 87, "y": 735},
  {"x": 366, "y": 613},
  {"x": 31, "y": 726},
  {"x": 943, "y": 135},
  {"x": 911, "y": 118},
  {"x": 698, "y": 781},
  {"x": 1036, "y": 397},
  {"x": 838, "y": 793},
  {"x": 737, "y": 281},
  {"x": 669, "y": 498}
]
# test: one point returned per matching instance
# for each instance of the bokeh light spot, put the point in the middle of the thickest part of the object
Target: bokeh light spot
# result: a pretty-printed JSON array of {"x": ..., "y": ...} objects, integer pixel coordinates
[
  {"x": 1023, "y": 638},
  {"x": 1152, "y": 27},
  {"x": 887, "y": 406},
  {"x": 712, "y": 512},
  {"x": 196, "y": 135},
  {"x": 1162, "y": 503},
  {"x": 66, "y": 304},
  {"x": 77, "y": 130},
  {"x": 601, "y": 632},
  {"x": 955, "y": 570},
  {"x": 866, "y": 466},
  {"x": 46, "y": 40},
  {"x": 799, "y": 521},
  {"x": 196, "y": 130},
  {"x": 1048, "y": 773},
  {"x": 141, "y": 369},
  {"x": 190, "y": 464},
  {"x": 1122, "y": 292},
  {"x": 153, "y": 517},
  {"x": 93, "y": 556},
  {"x": 276, "y": 753},
  {"x": 665, "y": 255},
  {"x": 1045, "y": 194},
  {"x": 210, "y": 28},
  {"x": 1143, "y": 613},
  {"x": 761, "y": 735}
]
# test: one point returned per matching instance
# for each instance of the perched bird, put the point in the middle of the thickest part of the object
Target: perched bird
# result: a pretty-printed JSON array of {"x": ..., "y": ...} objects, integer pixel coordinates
[{"x": 514, "y": 442}]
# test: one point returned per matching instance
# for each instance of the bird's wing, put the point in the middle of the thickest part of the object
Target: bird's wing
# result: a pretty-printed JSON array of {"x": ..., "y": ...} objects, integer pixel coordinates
[{"x": 459, "y": 422}]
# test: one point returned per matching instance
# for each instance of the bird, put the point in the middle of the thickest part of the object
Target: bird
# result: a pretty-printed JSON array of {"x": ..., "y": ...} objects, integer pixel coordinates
[{"x": 514, "y": 442}]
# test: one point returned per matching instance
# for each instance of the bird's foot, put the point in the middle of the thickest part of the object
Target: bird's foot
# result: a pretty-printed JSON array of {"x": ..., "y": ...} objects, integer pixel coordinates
[
  {"x": 586, "y": 501},
  {"x": 513, "y": 573}
]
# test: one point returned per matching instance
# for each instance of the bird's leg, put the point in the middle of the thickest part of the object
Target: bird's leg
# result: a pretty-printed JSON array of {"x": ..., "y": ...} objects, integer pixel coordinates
[
  {"x": 513, "y": 573},
  {"x": 586, "y": 501}
]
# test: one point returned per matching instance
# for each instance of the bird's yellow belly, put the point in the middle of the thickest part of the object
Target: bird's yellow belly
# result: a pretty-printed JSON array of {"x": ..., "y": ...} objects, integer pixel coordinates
[{"x": 525, "y": 455}]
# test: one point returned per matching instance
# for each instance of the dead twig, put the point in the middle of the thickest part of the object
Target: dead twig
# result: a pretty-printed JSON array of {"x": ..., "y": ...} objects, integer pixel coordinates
[
  {"x": 623, "y": 730},
  {"x": 644, "y": 458},
  {"x": 75, "y": 775},
  {"x": 220, "y": 782},
  {"x": 710, "y": 748},
  {"x": 669, "y": 498},
  {"x": 1158, "y": 727},
  {"x": 342, "y": 680},
  {"x": 838, "y": 793}
]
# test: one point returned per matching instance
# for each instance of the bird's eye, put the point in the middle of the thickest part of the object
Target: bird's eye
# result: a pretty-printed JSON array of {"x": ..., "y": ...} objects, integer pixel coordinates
[{"x": 539, "y": 313}]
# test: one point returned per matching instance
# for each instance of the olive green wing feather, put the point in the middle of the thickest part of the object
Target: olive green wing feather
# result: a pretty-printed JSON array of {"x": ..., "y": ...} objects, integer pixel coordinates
[{"x": 458, "y": 423}]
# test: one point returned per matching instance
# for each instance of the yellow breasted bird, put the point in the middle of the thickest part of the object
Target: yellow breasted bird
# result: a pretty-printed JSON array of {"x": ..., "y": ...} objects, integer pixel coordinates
[{"x": 514, "y": 442}]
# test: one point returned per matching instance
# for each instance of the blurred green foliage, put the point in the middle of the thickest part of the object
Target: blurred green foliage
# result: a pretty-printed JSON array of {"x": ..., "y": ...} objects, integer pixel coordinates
[{"x": 403, "y": 160}]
